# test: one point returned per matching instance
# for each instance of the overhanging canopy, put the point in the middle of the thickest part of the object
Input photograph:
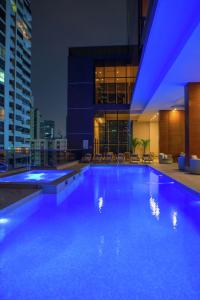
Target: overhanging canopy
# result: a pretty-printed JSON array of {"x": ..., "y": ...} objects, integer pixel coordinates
[{"x": 171, "y": 56}]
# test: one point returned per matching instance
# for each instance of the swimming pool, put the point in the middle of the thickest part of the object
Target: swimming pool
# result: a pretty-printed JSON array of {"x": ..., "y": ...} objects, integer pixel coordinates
[
  {"x": 119, "y": 233},
  {"x": 35, "y": 176}
]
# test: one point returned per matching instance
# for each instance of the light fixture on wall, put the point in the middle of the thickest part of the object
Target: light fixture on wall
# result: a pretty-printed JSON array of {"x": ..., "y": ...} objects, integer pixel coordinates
[{"x": 155, "y": 117}]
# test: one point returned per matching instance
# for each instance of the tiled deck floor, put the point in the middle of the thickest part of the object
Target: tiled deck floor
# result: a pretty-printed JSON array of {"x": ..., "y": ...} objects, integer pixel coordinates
[{"x": 190, "y": 180}]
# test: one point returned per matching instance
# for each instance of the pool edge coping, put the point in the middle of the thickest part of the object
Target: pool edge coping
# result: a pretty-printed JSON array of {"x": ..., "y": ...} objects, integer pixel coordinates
[
  {"x": 187, "y": 187},
  {"x": 20, "y": 202}
]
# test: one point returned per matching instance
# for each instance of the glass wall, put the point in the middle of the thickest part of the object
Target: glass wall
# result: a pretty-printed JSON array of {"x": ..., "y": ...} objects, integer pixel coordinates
[
  {"x": 114, "y": 84},
  {"x": 112, "y": 132}
]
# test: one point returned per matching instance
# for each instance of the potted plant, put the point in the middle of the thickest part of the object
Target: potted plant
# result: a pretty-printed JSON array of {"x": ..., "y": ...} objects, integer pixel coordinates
[
  {"x": 135, "y": 142},
  {"x": 145, "y": 144}
]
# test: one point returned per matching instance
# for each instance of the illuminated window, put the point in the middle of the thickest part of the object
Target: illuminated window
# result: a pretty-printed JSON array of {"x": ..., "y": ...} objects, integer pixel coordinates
[
  {"x": 14, "y": 6},
  {"x": 114, "y": 84},
  {"x": 112, "y": 131},
  {"x": 2, "y": 52},
  {"x": 1, "y": 114},
  {"x": 2, "y": 76},
  {"x": 24, "y": 29}
]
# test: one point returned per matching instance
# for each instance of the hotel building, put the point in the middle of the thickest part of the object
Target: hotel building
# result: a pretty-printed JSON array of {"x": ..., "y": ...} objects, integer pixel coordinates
[{"x": 148, "y": 92}]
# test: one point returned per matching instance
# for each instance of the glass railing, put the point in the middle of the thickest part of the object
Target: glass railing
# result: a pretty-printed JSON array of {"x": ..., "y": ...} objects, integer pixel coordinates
[{"x": 31, "y": 158}]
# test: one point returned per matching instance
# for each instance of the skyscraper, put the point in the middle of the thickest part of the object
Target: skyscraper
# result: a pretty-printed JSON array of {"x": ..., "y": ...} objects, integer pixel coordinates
[
  {"x": 36, "y": 119},
  {"x": 15, "y": 74},
  {"x": 47, "y": 129}
]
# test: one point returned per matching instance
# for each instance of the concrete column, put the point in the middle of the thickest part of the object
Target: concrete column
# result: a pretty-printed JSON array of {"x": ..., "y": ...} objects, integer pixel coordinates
[{"x": 192, "y": 120}]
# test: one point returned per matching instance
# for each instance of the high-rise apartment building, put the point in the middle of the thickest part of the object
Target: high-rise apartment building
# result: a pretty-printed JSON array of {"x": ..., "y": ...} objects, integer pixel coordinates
[
  {"x": 15, "y": 74},
  {"x": 47, "y": 129},
  {"x": 36, "y": 119},
  {"x": 2, "y": 68}
]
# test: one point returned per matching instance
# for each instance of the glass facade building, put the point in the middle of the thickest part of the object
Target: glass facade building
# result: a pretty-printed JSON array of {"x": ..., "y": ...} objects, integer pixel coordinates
[{"x": 101, "y": 80}]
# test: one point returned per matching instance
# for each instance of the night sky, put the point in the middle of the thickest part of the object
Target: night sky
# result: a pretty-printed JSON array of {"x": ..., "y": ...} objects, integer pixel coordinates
[{"x": 58, "y": 25}]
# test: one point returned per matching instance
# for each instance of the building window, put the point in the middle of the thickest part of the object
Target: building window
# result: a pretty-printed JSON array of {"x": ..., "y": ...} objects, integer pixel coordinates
[
  {"x": 112, "y": 132},
  {"x": 1, "y": 114},
  {"x": 2, "y": 76},
  {"x": 114, "y": 84},
  {"x": 2, "y": 52},
  {"x": 14, "y": 6}
]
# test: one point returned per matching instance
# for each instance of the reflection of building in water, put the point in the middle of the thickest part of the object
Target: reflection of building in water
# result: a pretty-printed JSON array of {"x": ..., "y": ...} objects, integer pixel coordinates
[
  {"x": 100, "y": 204},
  {"x": 118, "y": 246},
  {"x": 101, "y": 245},
  {"x": 155, "y": 210},
  {"x": 174, "y": 219}
]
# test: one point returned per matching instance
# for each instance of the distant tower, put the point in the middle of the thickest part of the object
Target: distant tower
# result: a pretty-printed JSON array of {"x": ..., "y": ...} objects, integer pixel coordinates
[{"x": 47, "y": 129}]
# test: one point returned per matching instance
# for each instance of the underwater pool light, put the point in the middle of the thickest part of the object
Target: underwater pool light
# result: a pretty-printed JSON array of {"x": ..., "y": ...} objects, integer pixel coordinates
[
  {"x": 37, "y": 177},
  {"x": 4, "y": 220}
]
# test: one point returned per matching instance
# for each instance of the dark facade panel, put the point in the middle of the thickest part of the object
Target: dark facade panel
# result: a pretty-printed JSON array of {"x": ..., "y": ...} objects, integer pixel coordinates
[
  {"x": 80, "y": 69},
  {"x": 80, "y": 121},
  {"x": 81, "y": 90},
  {"x": 80, "y": 95},
  {"x": 106, "y": 52}
]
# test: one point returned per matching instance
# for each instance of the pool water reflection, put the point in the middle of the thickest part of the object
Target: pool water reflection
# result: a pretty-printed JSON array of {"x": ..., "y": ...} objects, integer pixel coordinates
[{"x": 115, "y": 233}]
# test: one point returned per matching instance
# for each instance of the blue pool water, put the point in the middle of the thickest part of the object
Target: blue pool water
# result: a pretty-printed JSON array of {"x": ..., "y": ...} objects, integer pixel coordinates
[
  {"x": 41, "y": 176},
  {"x": 115, "y": 233}
]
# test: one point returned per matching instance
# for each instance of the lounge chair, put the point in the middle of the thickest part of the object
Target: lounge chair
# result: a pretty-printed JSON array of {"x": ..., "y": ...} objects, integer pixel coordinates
[
  {"x": 86, "y": 158},
  {"x": 108, "y": 157},
  {"x": 134, "y": 158},
  {"x": 165, "y": 158},
  {"x": 194, "y": 165},
  {"x": 120, "y": 157},
  {"x": 147, "y": 158},
  {"x": 97, "y": 158},
  {"x": 127, "y": 156}
]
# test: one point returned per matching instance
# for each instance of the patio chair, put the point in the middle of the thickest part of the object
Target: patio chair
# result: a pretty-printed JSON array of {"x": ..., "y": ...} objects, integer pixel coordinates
[
  {"x": 194, "y": 165},
  {"x": 97, "y": 158},
  {"x": 127, "y": 156},
  {"x": 165, "y": 158},
  {"x": 120, "y": 157},
  {"x": 134, "y": 158},
  {"x": 147, "y": 158},
  {"x": 86, "y": 158},
  {"x": 108, "y": 157}
]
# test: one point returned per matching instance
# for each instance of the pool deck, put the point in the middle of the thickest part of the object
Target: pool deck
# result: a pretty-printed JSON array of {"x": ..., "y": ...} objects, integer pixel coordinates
[{"x": 190, "y": 180}]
